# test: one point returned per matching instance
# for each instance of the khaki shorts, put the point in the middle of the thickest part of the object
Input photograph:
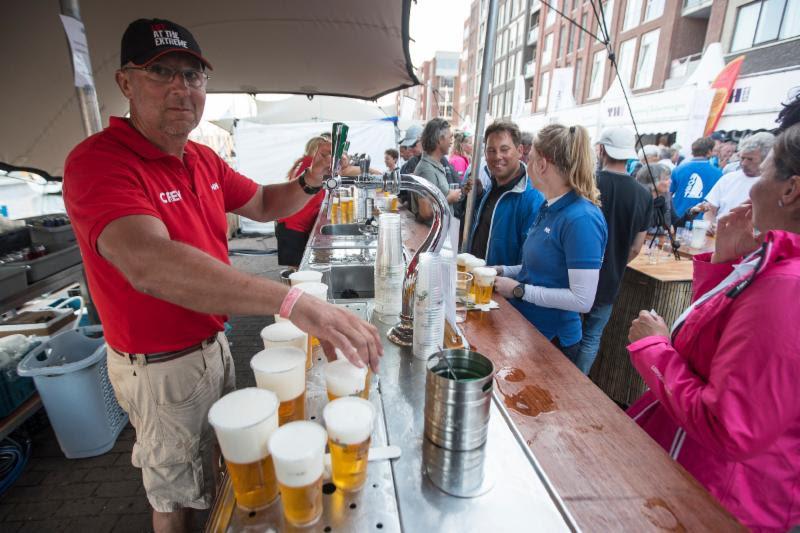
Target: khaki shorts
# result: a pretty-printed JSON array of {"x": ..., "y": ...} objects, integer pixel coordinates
[{"x": 168, "y": 406}]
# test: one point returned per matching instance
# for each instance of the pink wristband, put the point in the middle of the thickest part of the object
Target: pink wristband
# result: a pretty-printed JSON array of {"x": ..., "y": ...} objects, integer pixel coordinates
[{"x": 291, "y": 298}]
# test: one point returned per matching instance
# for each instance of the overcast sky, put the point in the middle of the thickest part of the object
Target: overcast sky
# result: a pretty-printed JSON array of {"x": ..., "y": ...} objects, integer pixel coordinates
[{"x": 436, "y": 25}]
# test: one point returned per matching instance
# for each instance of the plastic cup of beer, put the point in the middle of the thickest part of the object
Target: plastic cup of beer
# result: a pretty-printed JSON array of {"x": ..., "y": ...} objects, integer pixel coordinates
[
  {"x": 305, "y": 276},
  {"x": 284, "y": 334},
  {"x": 484, "y": 284},
  {"x": 335, "y": 211},
  {"x": 472, "y": 264},
  {"x": 298, "y": 451},
  {"x": 349, "y": 422},
  {"x": 462, "y": 260},
  {"x": 343, "y": 378},
  {"x": 282, "y": 371},
  {"x": 243, "y": 421},
  {"x": 317, "y": 290}
]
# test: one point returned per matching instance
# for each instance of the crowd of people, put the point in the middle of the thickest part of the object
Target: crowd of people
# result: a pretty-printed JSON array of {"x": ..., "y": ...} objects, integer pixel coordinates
[
  {"x": 558, "y": 218},
  {"x": 560, "y": 222}
]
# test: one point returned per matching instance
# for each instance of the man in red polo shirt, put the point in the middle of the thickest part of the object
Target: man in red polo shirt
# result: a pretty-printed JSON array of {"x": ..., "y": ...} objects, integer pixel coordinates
[{"x": 148, "y": 207}]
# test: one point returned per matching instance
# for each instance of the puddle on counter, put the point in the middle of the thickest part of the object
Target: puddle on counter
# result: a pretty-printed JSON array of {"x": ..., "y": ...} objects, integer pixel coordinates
[
  {"x": 530, "y": 400},
  {"x": 660, "y": 515},
  {"x": 511, "y": 374}
]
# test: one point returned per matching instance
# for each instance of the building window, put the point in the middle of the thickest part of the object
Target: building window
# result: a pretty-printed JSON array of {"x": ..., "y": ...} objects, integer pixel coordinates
[
  {"x": 608, "y": 17},
  {"x": 648, "y": 49},
  {"x": 562, "y": 41},
  {"x": 626, "y": 52},
  {"x": 544, "y": 90},
  {"x": 509, "y": 102},
  {"x": 502, "y": 79},
  {"x": 764, "y": 21},
  {"x": 500, "y": 15},
  {"x": 547, "y": 50},
  {"x": 551, "y": 16},
  {"x": 578, "y": 79},
  {"x": 633, "y": 14},
  {"x": 653, "y": 9},
  {"x": 580, "y": 33},
  {"x": 598, "y": 71},
  {"x": 512, "y": 67}
]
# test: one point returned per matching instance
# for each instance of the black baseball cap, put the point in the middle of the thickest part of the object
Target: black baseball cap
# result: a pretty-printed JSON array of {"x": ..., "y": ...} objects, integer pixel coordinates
[{"x": 148, "y": 39}]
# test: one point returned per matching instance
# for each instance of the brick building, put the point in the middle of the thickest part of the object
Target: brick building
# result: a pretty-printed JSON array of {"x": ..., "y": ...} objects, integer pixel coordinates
[{"x": 435, "y": 96}]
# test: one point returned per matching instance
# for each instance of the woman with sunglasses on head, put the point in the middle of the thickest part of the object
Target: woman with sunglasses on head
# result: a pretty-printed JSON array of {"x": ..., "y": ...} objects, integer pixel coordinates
[
  {"x": 563, "y": 251},
  {"x": 723, "y": 380}
]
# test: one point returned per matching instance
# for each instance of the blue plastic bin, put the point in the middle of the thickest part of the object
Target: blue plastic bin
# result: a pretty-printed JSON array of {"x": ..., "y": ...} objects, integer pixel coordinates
[{"x": 71, "y": 375}]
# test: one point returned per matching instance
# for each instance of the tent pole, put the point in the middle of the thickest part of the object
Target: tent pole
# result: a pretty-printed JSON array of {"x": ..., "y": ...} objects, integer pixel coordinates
[
  {"x": 90, "y": 114},
  {"x": 483, "y": 98}
]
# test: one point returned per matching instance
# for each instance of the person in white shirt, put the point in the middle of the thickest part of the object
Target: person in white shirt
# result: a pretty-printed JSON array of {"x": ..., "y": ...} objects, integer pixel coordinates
[{"x": 733, "y": 188}]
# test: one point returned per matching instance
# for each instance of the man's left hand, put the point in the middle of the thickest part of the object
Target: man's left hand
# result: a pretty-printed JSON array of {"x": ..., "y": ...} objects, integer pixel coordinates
[
  {"x": 320, "y": 165},
  {"x": 505, "y": 286},
  {"x": 646, "y": 325}
]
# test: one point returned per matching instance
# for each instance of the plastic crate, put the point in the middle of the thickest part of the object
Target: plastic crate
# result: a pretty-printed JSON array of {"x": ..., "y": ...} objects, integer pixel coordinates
[
  {"x": 52, "y": 263},
  {"x": 53, "y": 238},
  {"x": 71, "y": 374},
  {"x": 13, "y": 280}
]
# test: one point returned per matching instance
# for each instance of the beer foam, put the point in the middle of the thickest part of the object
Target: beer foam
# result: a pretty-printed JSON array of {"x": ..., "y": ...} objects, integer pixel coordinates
[
  {"x": 297, "y": 451},
  {"x": 305, "y": 276},
  {"x": 281, "y": 370},
  {"x": 283, "y": 331},
  {"x": 244, "y": 420},
  {"x": 463, "y": 259},
  {"x": 349, "y": 420},
  {"x": 484, "y": 275},
  {"x": 343, "y": 378},
  {"x": 317, "y": 290},
  {"x": 474, "y": 263}
]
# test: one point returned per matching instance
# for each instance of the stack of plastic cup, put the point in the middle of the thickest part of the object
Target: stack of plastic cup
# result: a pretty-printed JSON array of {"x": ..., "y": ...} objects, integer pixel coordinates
[
  {"x": 448, "y": 273},
  {"x": 428, "y": 307},
  {"x": 389, "y": 266}
]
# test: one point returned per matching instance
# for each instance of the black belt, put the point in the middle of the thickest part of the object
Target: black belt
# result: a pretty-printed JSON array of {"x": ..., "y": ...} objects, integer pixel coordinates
[{"x": 161, "y": 357}]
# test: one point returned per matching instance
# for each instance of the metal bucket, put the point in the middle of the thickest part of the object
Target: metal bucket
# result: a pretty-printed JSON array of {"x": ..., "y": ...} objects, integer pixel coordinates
[
  {"x": 457, "y": 473},
  {"x": 457, "y": 407}
]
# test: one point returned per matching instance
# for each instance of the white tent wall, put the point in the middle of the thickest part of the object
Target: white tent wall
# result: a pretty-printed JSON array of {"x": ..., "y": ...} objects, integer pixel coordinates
[{"x": 264, "y": 152}]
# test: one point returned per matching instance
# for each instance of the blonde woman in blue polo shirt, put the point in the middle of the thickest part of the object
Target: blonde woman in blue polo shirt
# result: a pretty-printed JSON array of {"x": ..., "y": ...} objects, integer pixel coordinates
[{"x": 563, "y": 251}]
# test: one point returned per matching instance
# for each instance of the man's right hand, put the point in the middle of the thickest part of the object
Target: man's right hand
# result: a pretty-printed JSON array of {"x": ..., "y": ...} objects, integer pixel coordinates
[{"x": 335, "y": 328}]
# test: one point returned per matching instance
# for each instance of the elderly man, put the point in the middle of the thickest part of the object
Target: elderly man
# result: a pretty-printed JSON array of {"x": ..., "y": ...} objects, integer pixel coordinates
[
  {"x": 148, "y": 207},
  {"x": 509, "y": 204},
  {"x": 436, "y": 140},
  {"x": 526, "y": 143},
  {"x": 733, "y": 188}
]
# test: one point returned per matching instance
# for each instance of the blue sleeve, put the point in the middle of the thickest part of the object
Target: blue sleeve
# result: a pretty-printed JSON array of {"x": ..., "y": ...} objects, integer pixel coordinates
[{"x": 584, "y": 240}]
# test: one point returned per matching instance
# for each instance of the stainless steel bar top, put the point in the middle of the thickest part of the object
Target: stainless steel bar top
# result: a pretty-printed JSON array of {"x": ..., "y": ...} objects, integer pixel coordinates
[{"x": 516, "y": 498}]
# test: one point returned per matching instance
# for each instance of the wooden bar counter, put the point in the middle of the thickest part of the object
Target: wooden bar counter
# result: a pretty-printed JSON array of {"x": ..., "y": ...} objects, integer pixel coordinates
[{"x": 609, "y": 472}]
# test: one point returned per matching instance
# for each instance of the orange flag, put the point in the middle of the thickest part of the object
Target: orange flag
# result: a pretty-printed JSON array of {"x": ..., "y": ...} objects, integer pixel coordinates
[{"x": 723, "y": 85}]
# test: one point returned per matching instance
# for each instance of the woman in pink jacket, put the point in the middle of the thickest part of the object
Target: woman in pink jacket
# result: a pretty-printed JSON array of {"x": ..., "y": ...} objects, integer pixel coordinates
[{"x": 724, "y": 396}]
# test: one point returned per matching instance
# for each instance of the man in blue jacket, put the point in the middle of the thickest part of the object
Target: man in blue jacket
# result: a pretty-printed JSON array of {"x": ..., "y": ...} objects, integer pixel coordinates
[
  {"x": 694, "y": 179},
  {"x": 509, "y": 205}
]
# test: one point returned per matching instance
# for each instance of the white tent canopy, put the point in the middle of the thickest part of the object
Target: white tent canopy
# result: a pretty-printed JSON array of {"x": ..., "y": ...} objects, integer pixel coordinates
[
  {"x": 317, "y": 109},
  {"x": 356, "y": 48}
]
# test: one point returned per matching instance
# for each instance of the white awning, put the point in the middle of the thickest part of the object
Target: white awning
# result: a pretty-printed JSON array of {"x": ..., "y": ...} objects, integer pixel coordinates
[{"x": 356, "y": 48}]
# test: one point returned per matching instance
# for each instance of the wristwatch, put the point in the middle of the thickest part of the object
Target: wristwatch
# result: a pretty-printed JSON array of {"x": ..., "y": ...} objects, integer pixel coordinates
[
  {"x": 518, "y": 291},
  {"x": 308, "y": 189}
]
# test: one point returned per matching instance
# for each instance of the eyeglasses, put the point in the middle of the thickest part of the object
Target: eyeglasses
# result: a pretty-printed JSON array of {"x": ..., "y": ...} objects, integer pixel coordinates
[{"x": 158, "y": 73}]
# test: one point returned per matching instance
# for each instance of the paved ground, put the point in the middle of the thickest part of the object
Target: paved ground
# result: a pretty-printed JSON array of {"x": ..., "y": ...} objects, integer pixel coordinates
[{"x": 105, "y": 493}]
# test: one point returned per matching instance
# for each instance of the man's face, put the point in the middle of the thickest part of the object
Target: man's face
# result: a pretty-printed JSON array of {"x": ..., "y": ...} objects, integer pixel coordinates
[
  {"x": 404, "y": 152},
  {"x": 726, "y": 151},
  {"x": 751, "y": 163},
  {"x": 416, "y": 149},
  {"x": 170, "y": 108},
  {"x": 502, "y": 156},
  {"x": 446, "y": 141}
]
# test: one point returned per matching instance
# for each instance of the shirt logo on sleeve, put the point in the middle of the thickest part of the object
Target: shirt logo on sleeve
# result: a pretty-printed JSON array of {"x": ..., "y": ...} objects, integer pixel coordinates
[
  {"x": 215, "y": 186},
  {"x": 170, "y": 196}
]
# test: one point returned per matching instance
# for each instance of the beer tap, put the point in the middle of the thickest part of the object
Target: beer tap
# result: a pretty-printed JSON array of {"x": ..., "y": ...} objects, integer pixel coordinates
[{"x": 394, "y": 182}]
